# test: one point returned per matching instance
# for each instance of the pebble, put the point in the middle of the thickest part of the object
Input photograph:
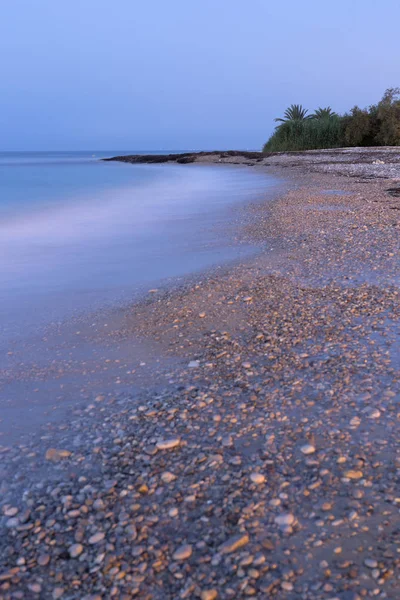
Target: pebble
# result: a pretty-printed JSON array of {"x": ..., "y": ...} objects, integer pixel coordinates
[
  {"x": 308, "y": 449},
  {"x": 371, "y": 563},
  {"x": 55, "y": 455},
  {"x": 194, "y": 364},
  {"x": 11, "y": 511},
  {"x": 43, "y": 560},
  {"x": 168, "y": 477},
  {"x": 257, "y": 478},
  {"x": 168, "y": 444},
  {"x": 96, "y": 538},
  {"x": 209, "y": 594},
  {"x": 75, "y": 550},
  {"x": 285, "y": 520},
  {"x": 183, "y": 552},
  {"x": 287, "y": 586},
  {"x": 98, "y": 504},
  {"x": 351, "y": 474},
  {"x": 373, "y": 413},
  {"x": 36, "y": 588},
  {"x": 234, "y": 543},
  {"x": 12, "y": 522}
]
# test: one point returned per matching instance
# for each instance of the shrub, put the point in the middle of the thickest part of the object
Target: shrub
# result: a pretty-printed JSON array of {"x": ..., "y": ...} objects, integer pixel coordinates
[
  {"x": 378, "y": 125},
  {"x": 310, "y": 134}
]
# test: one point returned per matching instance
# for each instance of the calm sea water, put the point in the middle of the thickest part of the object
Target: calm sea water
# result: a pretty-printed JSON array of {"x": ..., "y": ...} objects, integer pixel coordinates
[{"x": 76, "y": 232}]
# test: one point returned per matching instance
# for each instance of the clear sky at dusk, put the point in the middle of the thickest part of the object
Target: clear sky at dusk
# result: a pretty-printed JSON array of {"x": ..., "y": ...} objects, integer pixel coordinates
[{"x": 179, "y": 74}]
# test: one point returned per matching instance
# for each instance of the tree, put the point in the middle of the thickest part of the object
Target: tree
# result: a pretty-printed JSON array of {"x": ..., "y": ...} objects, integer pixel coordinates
[
  {"x": 323, "y": 113},
  {"x": 295, "y": 112},
  {"x": 388, "y": 118},
  {"x": 357, "y": 128}
]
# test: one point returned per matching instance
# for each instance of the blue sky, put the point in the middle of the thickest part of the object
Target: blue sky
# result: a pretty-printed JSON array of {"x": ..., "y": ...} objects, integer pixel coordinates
[{"x": 180, "y": 74}]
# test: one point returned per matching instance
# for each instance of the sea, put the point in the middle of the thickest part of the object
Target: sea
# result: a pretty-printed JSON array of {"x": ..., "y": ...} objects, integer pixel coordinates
[
  {"x": 77, "y": 232},
  {"x": 80, "y": 240}
]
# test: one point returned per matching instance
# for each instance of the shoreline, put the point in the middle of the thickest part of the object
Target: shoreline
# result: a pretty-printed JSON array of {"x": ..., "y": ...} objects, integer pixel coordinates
[
  {"x": 60, "y": 364},
  {"x": 266, "y": 465}
]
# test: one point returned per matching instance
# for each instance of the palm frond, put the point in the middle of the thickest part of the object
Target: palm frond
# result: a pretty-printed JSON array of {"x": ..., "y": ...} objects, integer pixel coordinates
[
  {"x": 323, "y": 113},
  {"x": 295, "y": 112}
]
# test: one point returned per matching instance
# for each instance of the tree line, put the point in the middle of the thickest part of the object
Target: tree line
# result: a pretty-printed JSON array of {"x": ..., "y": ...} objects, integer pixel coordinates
[{"x": 377, "y": 125}]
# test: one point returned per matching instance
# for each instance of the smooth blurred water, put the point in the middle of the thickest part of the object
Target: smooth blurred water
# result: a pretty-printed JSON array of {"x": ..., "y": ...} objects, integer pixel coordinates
[{"x": 77, "y": 233}]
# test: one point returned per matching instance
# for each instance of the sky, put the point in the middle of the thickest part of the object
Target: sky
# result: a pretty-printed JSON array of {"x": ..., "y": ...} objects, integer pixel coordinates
[{"x": 184, "y": 74}]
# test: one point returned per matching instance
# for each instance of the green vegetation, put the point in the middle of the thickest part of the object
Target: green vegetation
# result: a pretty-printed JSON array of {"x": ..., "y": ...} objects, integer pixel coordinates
[
  {"x": 323, "y": 113},
  {"x": 378, "y": 125},
  {"x": 295, "y": 112}
]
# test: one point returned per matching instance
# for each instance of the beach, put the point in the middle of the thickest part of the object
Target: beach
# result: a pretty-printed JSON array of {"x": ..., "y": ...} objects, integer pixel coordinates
[{"x": 257, "y": 453}]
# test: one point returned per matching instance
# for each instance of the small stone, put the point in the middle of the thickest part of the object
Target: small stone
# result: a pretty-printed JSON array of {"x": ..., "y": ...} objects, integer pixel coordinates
[
  {"x": 202, "y": 315},
  {"x": 246, "y": 365},
  {"x": 373, "y": 413},
  {"x": 234, "y": 543},
  {"x": 75, "y": 550},
  {"x": 308, "y": 449},
  {"x": 43, "y": 560},
  {"x": 375, "y": 573},
  {"x": 96, "y": 538},
  {"x": 36, "y": 588},
  {"x": 209, "y": 594},
  {"x": 183, "y": 552},
  {"x": 131, "y": 531},
  {"x": 168, "y": 444},
  {"x": 287, "y": 586},
  {"x": 55, "y": 455},
  {"x": 285, "y": 520},
  {"x": 257, "y": 478},
  {"x": 275, "y": 502},
  {"x": 13, "y": 522},
  {"x": 353, "y": 474},
  {"x": 57, "y": 593},
  {"x": 98, "y": 504},
  {"x": 371, "y": 563},
  {"x": 11, "y": 511},
  {"x": 168, "y": 477},
  {"x": 194, "y": 364}
]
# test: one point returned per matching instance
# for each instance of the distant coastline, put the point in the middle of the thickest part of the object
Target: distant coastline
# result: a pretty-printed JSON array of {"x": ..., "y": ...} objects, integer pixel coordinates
[
  {"x": 372, "y": 162},
  {"x": 191, "y": 157}
]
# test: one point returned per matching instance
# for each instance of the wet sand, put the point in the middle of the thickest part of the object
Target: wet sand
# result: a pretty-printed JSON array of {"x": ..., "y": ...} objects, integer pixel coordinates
[{"x": 263, "y": 458}]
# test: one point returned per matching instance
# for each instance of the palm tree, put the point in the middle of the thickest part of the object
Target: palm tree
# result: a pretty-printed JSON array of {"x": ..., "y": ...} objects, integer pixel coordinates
[
  {"x": 323, "y": 113},
  {"x": 295, "y": 112}
]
